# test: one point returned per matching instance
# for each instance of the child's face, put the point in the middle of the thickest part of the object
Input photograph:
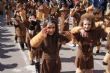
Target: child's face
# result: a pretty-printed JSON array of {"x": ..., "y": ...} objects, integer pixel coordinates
[
  {"x": 86, "y": 25},
  {"x": 51, "y": 29}
]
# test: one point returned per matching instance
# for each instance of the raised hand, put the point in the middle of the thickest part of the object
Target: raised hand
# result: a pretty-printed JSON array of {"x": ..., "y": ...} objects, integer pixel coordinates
[
  {"x": 83, "y": 33},
  {"x": 44, "y": 31}
]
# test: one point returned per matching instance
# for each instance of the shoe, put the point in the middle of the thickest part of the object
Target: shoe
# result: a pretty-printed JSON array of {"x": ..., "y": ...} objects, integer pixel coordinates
[
  {"x": 37, "y": 67},
  {"x": 104, "y": 63},
  {"x": 22, "y": 49},
  {"x": 97, "y": 51},
  {"x": 16, "y": 41},
  {"x": 104, "y": 39},
  {"x": 8, "y": 23},
  {"x": 32, "y": 62}
]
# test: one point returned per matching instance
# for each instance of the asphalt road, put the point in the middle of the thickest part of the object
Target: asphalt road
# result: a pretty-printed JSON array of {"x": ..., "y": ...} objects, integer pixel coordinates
[{"x": 14, "y": 60}]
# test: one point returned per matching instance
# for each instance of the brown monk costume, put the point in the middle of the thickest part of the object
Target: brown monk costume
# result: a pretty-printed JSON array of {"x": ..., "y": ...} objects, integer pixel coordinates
[
  {"x": 106, "y": 60},
  {"x": 20, "y": 32},
  {"x": 86, "y": 41},
  {"x": 50, "y": 59}
]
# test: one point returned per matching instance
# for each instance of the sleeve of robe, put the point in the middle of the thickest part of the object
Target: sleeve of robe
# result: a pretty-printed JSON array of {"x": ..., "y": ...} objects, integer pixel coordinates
[
  {"x": 75, "y": 31},
  {"x": 37, "y": 40},
  {"x": 107, "y": 30}
]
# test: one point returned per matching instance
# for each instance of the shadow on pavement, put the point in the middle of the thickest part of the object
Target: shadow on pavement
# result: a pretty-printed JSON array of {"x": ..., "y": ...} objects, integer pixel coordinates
[
  {"x": 4, "y": 35},
  {"x": 4, "y": 51},
  {"x": 5, "y": 45},
  {"x": 5, "y": 39},
  {"x": 68, "y": 72},
  {"x": 100, "y": 53},
  {"x": 7, "y": 66},
  {"x": 72, "y": 59},
  {"x": 98, "y": 71},
  {"x": 95, "y": 71}
]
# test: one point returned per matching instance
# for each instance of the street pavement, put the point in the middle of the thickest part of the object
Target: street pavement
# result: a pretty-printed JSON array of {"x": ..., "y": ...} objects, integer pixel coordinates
[{"x": 14, "y": 60}]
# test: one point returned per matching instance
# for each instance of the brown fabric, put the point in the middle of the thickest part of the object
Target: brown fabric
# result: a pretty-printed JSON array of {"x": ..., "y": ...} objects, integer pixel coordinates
[
  {"x": 37, "y": 53},
  {"x": 108, "y": 42},
  {"x": 51, "y": 61},
  {"x": 28, "y": 36},
  {"x": 37, "y": 40},
  {"x": 64, "y": 26},
  {"x": 50, "y": 47},
  {"x": 20, "y": 32},
  {"x": 1, "y": 7},
  {"x": 82, "y": 61},
  {"x": 84, "y": 58},
  {"x": 107, "y": 60},
  {"x": 51, "y": 66}
]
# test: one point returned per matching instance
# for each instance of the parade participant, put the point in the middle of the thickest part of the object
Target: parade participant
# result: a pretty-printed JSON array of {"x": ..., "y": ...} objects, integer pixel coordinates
[
  {"x": 22, "y": 14},
  {"x": 76, "y": 13},
  {"x": 1, "y": 8},
  {"x": 20, "y": 30},
  {"x": 106, "y": 60},
  {"x": 50, "y": 38},
  {"x": 108, "y": 8},
  {"x": 76, "y": 1},
  {"x": 8, "y": 14},
  {"x": 34, "y": 28},
  {"x": 63, "y": 18},
  {"x": 99, "y": 6},
  {"x": 98, "y": 23},
  {"x": 87, "y": 36},
  {"x": 39, "y": 12}
]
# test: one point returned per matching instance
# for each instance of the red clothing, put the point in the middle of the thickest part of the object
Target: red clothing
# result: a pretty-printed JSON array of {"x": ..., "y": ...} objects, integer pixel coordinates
[{"x": 76, "y": 1}]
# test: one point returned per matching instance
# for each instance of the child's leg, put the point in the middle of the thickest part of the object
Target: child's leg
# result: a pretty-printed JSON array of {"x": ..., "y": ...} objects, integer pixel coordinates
[
  {"x": 22, "y": 45},
  {"x": 16, "y": 38},
  {"x": 89, "y": 71},
  {"x": 31, "y": 57},
  {"x": 37, "y": 65},
  {"x": 98, "y": 46},
  {"x": 106, "y": 57},
  {"x": 98, "y": 49},
  {"x": 38, "y": 56},
  {"x": 78, "y": 70},
  {"x": 106, "y": 62}
]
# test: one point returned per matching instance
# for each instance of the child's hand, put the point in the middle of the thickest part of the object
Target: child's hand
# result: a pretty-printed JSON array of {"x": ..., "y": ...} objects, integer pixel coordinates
[
  {"x": 44, "y": 31},
  {"x": 83, "y": 33},
  {"x": 66, "y": 33}
]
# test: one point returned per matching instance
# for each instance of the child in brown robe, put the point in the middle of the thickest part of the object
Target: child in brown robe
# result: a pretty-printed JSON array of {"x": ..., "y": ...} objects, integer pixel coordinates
[
  {"x": 87, "y": 36},
  {"x": 106, "y": 60},
  {"x": 51, "y": 40}
]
